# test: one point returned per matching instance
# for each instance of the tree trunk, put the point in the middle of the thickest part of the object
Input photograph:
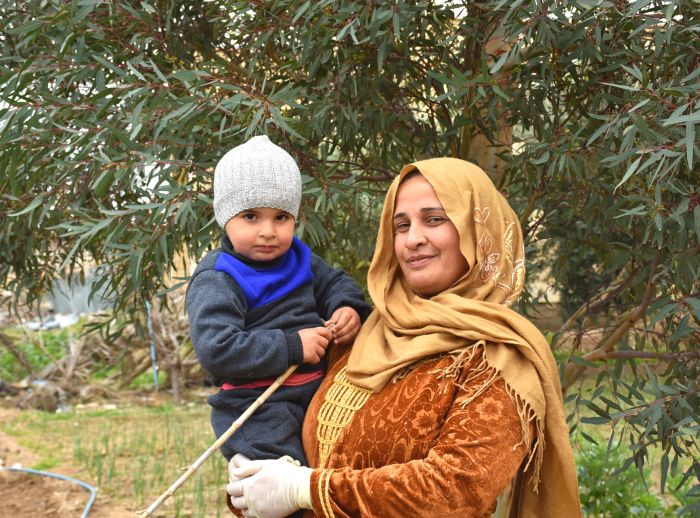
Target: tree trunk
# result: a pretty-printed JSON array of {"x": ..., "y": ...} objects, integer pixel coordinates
[{"x": 475, "y": 146}]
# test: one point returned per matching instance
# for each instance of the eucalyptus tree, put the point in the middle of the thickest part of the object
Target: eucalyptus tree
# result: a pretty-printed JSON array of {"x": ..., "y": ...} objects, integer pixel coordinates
[{"x": 114, "y": 113}]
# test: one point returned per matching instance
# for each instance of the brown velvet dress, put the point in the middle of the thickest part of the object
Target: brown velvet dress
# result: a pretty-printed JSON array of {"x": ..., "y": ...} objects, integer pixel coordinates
[{"x": 412, "y": 449}]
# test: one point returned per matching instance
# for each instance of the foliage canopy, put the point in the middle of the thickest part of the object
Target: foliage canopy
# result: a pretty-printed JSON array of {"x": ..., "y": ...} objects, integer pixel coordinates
[{"x": 113, "y": 114}]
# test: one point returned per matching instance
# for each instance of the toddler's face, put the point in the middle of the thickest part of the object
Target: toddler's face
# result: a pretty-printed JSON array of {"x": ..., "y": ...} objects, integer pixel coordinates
[{"x": 261, "y": 234}]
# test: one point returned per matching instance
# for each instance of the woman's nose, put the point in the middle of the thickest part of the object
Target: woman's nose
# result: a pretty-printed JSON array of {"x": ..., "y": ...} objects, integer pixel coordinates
[{"x": 415, "y": 236}]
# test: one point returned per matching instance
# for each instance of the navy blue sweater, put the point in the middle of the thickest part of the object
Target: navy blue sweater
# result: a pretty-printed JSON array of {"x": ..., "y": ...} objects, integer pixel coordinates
[{"x": 244, "y": 315}]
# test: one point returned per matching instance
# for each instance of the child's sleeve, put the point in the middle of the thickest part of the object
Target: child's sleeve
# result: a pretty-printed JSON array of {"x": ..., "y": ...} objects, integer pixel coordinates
[
  {"x": 216, "y": 309},
  {"x": 334, "y": 288}
]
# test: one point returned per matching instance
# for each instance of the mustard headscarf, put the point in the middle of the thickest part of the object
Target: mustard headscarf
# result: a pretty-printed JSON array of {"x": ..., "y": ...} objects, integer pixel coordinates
[{"x": 405, "y": 328}]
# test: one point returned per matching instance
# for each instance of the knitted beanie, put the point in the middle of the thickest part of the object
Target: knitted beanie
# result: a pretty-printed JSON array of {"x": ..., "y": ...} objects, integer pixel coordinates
[{"x": 256, "y": 174}]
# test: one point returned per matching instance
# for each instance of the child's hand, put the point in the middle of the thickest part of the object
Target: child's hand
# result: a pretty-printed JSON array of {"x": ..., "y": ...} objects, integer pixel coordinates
[
  {"x": 314, "y": 341},
  {"x": 346, "y": 325}
]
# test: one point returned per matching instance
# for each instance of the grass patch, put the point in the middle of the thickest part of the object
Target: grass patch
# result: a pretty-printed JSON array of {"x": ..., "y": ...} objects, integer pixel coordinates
[
  {"x": 132, "y": 454},
  {"x": 46, "y": 465}
]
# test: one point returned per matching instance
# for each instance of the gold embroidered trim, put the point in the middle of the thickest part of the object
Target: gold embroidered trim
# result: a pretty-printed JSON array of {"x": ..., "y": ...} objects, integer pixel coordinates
[
  {"x": 342, "y": 400},
  {"x": 323, "y": 493}
]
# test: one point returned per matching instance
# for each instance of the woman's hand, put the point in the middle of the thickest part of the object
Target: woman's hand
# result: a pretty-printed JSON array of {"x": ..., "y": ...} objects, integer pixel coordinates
[
  {"x": 346, "y": 325},
  {"x": 268, "y": 488}
]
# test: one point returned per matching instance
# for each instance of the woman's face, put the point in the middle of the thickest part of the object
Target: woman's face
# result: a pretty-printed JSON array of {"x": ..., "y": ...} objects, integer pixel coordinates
[{"x": 426, "y": 242}]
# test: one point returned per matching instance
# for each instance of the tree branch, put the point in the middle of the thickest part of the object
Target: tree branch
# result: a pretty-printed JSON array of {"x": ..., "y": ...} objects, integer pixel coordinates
[
  {"x": 606, "y": 345},
  {"x": 613, "y": 355}
]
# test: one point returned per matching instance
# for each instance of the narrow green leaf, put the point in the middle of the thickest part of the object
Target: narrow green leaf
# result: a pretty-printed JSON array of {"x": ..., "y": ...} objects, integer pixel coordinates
[
  {"x": 695, "y": 304},
  {"x": 696, "y": 216},
  {"x": 597, "y": 133},
  {"x": 665, "y": 312},
  {"x": 341, "y": 33},
  {"x": 622, "y": 87},
  {"x": 638, "y": 105},
  {"x": 500, "y": 92},
  {"x": 135, "y": 131},
  {"x": 174, "y": 287},
  {"x": 589, "y": 438},
  {"x": 499, "y": 64},
  {"x": 675, "y": 117},
  {"x": 103, "y": 182},
  {"x": 301, "y": 11},
  {"x": 33, "y": 205},
  {"x": 135, "y": 71},
  {"x": 187, "y": 75},
  {"x": 158, "y": 72},
  {"x": 26, "y": 28},
  {"x": 637, "y": 211},
  {"x": 83, "y": 12},
  {"x": 583, "y": 362},
  {"x": 222, "y": 125},
  {"x": 689, "y": 143},
  {"x": 440, "y": 77},
  {"x": 634, "y": 71},
  {"x": 108, "y": 64},
  {"x": 695, "y": 73},
  {"x": 595, "y": 420},
  {"x": 147, "y": 7},
  {"x": 541, "y": 160},
  {"x": 630, "y": 170}
]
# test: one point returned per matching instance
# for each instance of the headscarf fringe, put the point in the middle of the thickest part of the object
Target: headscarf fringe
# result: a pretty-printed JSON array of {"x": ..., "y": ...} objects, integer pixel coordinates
[{"x": 526, "y": 413}]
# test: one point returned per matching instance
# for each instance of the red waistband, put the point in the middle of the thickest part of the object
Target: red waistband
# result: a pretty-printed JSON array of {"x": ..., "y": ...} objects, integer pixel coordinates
[{"x": 301, "y": 378}]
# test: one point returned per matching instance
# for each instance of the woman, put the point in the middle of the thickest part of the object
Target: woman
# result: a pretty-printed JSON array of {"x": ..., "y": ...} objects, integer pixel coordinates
[{"x": 448, "y": 403}]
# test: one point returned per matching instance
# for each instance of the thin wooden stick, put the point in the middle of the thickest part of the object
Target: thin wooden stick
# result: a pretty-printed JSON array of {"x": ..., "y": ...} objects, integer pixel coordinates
[{"x": 221, "y": 440}]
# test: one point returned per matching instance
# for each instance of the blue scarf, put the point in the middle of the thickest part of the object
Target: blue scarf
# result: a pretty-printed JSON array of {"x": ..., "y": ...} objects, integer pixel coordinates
[{"x": 264, "y": 284}]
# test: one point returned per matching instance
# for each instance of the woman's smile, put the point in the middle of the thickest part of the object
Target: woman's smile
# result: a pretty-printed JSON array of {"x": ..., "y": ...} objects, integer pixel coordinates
[{"x": 419, "y": 261}]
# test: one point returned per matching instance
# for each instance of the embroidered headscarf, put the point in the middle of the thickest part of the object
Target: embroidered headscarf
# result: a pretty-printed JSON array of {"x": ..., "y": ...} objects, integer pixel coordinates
[{"x": 406, "y": 328}]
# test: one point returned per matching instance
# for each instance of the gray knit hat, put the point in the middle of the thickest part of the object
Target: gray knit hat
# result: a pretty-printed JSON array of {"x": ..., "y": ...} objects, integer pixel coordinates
[{"x": 256, "y": 174}]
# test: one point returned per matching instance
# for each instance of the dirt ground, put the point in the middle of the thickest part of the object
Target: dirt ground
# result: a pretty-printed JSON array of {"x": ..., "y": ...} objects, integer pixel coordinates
[{"x": 24, "y": 495}]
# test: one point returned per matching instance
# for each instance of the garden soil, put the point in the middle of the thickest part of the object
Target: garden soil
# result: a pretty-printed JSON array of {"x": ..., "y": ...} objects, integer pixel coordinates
[{"x": 24, "y": 495}]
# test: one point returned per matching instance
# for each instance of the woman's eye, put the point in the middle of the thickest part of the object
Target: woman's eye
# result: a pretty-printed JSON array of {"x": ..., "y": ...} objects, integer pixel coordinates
[
  {"x": 401, "y": 227},
  {"x": 435, "y": 220}
]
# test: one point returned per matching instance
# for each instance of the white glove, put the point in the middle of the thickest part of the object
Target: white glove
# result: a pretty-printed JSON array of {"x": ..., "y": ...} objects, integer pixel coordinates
[
  {"x": 239, "y": 461},
  {"x": 240, "y": 467},
  {"x": 269, "y": 488}
]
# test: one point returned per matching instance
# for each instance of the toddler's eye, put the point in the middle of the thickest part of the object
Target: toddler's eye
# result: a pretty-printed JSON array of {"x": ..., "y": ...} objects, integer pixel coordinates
[{"x": 249, "y": 216}]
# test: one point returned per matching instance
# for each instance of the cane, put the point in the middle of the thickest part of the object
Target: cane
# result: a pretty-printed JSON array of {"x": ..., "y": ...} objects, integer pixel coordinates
[{"x": 221, "y": 440}]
